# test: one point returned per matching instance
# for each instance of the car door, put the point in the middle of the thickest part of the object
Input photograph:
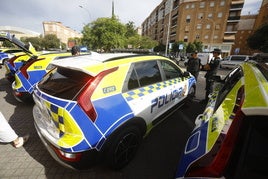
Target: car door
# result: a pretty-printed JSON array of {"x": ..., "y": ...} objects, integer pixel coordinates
[{"x": 151, "y": 92}]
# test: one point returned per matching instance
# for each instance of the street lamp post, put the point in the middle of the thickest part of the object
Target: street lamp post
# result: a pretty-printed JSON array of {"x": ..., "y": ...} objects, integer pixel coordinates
[
  {"x": 87, "y": 11},
  {"x": 169, "y": 19}
]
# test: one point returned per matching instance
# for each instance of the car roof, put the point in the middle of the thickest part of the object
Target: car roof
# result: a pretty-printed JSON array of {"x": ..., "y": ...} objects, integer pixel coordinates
[{"x": 94, "y": 63}]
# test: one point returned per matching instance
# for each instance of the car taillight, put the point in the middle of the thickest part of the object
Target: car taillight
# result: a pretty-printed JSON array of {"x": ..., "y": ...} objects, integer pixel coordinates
[
  {"x": 24, "y": 68},
  {"x": 11, "y": 60},
  {"x": 84, "y": 98},
  {"x": 71, "y": 157},
  {"x": 223, "y": 146}
]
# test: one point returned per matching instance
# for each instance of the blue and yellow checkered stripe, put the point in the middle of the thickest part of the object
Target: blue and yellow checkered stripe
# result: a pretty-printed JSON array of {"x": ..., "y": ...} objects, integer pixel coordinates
[
  {"x": 137, "y": 93},
  {"x": 56, "y": 113}
]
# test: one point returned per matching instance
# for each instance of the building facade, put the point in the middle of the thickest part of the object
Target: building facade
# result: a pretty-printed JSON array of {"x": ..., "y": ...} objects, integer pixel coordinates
[
  {"x": 61, "y": 31},
  {"x": 247, "y": 26},
  {"x": 213, "y": 22},
  {"x": 19, "y": 31}
]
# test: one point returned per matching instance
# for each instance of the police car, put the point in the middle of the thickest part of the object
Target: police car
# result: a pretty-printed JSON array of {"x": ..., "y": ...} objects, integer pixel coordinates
[
  {"x": 17, "y": 56},
  {"x": 31, "y": 72},
  {"x": 230, "y": 138},
  {"x": 96, "y": 108}
]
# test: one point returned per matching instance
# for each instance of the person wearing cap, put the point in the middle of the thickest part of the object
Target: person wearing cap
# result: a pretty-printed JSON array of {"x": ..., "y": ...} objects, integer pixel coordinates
[
  {"x": 211, "y": 68},
  {"x": 75, "y": 50},
  {"x": 193, "y": 65}
]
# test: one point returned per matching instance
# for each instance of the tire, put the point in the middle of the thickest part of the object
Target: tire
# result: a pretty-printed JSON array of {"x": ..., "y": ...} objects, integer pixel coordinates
[{"x": 122, "y": 147}]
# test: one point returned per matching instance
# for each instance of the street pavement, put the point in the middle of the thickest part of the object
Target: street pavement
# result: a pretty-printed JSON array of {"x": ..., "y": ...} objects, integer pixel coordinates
[{"x": 157, "y": 157}]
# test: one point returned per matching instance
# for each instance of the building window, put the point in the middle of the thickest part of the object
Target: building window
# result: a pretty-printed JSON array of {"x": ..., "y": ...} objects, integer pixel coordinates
[
  {"x": 193, "y": 6},
  {"x": 187, "y": 28},
  {"x": 199, "y": 26},
  {"x": 208, "y": 26},
  {"x": 197, "y": 36},
  {"x": 220, "y": 15},
  {"x": 206, "y": 36},
  {"x": 222, "y": 3},
  {"x": 188, "y": 18},
  {"x": 185, "y": 38},
  {"x": 202, "y": 4},
  {"x": 210, "y": 15},
  {"x": 187, "y": 6},
  {"x": 200, "y": 15},
  {"x": 212, "y": 4},
  {"x": 217, "y": 26}
]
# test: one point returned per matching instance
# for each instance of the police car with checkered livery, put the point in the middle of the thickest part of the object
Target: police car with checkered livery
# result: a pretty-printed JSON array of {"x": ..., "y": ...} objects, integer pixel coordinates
[{"x": 97, "y": 107}]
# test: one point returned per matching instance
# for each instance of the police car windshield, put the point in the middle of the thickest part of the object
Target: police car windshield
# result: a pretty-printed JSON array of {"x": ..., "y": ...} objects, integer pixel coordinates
[{"x": 229, "y": 82}]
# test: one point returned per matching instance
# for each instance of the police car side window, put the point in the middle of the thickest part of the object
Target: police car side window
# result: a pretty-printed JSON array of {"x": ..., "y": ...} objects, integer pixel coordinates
[
  {"x": 170, "y": 70},
  {"x": 143, "y": 74}
]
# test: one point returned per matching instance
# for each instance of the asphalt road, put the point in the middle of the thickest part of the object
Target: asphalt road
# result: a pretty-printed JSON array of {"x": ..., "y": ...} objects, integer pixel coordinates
[{"x": 156, "y": 158}]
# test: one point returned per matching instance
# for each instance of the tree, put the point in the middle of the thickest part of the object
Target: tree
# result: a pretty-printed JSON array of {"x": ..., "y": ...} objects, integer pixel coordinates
[
  {"x": 51, "y": 41},
  {"x": 160, "y": 48},
  {"x": 190, "y": 48},
  {"x": 105, "y": 34},
  {"x": 259, "y": 39},
  {"x": 35, "y": 41},
  {"x": 130, "y": 27},
  {"x": 176, "y": 45}
]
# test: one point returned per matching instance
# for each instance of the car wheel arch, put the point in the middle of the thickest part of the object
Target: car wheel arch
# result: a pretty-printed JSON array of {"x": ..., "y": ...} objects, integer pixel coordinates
[{"x": 135, "y": 130}]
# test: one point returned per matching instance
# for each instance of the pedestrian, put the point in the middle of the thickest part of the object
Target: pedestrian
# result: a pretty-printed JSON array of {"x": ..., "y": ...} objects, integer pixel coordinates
[
  {"x": 8, "y": 135},
  {"x": 75, "y": 50},
  {"x": 211, "y": 68},
  {"x": 193, "y": 65}
]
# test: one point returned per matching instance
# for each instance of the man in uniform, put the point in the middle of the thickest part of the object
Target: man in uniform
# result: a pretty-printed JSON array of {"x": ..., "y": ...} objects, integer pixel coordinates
[
  {"x": 194, "y": 64},
  {"x": 211, "y": 68}
]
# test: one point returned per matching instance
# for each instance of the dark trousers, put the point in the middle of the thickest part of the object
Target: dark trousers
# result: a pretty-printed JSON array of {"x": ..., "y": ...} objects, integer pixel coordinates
[{"x": 209, "y": 86}]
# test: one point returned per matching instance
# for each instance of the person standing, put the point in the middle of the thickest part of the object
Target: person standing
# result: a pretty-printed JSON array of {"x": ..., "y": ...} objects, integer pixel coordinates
[
  {"x": 193, "y": 65},
  {"x": 75, "y": 50},
  {"x": 211, "y": 68},
  {"x": 8, "y": 135}
]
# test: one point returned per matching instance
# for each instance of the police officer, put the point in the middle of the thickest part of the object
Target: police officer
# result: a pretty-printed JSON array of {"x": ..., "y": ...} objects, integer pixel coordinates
[
  {"x": 194, "y": 64},
  {"x": 212, "y": 68},
  {"x": 75, "y": 50}
]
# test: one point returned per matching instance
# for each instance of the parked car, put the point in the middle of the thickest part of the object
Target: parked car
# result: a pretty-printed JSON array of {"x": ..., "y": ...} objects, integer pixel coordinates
[
  {"x": 233, "y": 60},
  {"x": 230, "y": 138},
  {"x": 3, "y": 57},
  {"x": 17, "y": 56},
  {"x": 31, "y": 72},
  {"x": 95, "y": 109}
]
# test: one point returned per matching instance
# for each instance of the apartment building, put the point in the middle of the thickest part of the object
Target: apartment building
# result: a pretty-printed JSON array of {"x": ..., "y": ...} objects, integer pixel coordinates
[
  {"x": 61, "y": 31},
  {"x": 247, "y": 26},
  {"x": 213, "y": 22}
]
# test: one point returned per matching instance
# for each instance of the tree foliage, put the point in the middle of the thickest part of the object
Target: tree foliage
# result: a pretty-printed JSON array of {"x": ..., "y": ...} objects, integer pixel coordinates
[
  {"x": 259, "y": 39},
  {"x": 110, "y": 33},
  {"x": 105, "y": 33},
  {"x": 51, "y": 41},
  {"x": 37, "y": 42}
]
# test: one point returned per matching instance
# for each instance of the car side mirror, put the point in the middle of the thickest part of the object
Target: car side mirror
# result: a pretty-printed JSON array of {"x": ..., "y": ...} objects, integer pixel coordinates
[{"x": 186, "y": 73}]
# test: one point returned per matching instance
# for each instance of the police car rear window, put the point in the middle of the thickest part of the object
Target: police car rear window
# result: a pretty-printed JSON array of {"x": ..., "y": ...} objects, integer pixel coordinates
[{"x": 64, "y": 83}]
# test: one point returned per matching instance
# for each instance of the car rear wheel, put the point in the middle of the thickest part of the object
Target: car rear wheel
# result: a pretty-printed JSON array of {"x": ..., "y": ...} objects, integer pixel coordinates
[{"x": 123, "y": 146}]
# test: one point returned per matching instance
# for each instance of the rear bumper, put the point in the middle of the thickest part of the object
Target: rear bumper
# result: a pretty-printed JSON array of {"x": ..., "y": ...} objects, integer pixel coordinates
[{"x": 82, "y": 160}]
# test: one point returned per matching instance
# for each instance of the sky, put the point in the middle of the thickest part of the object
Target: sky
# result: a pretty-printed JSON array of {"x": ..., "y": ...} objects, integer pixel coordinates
[{"x": 30, "y": 14}]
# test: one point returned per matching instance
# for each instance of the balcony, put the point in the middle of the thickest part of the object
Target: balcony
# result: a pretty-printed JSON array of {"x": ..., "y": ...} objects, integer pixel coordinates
[{"x": 233, "y": 19}]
